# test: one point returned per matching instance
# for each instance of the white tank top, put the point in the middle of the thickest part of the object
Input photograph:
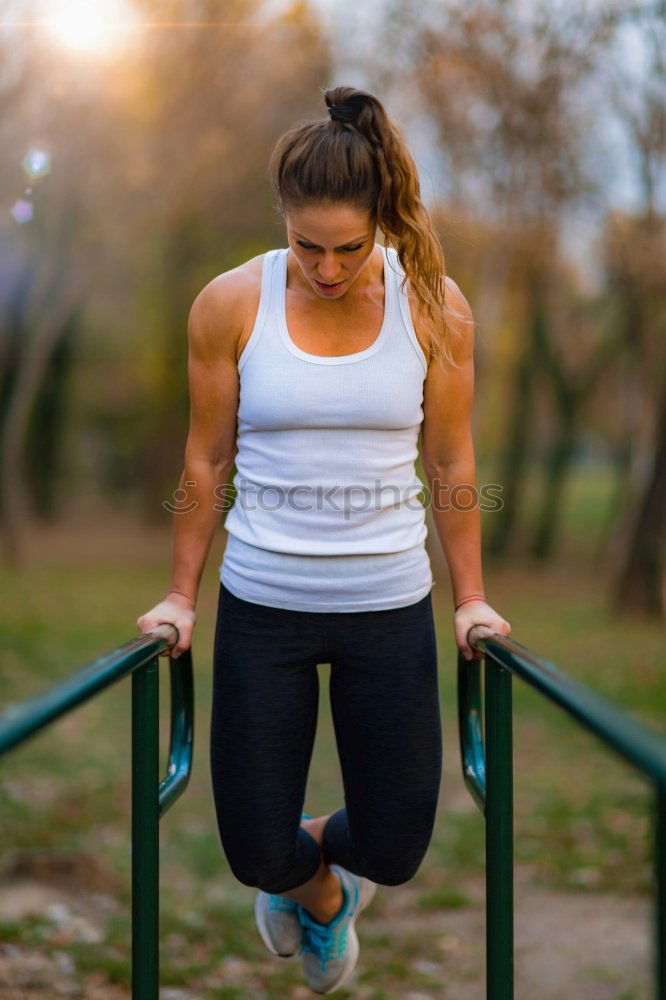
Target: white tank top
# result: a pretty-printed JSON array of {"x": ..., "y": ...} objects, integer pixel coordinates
[{"x": 327, "y": 515}]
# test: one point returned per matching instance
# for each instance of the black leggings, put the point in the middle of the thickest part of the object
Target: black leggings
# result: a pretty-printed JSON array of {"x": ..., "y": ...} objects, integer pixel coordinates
[{"x": 385, "y": 707}]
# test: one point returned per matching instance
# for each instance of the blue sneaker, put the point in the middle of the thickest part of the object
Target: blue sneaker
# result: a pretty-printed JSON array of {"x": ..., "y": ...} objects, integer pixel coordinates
[
  {"x": 330, "y": 951},
  {"x": 277, "y": 921}
]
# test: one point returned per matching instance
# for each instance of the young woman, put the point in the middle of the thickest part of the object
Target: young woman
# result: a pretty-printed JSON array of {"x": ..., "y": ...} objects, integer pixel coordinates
[{"x": 313, "y": 368}]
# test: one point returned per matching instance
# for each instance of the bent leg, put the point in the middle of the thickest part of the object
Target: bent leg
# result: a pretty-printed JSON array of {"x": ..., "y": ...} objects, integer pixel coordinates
[
  {"x": 385, "y": 705},
  {"x": 322, "y": 895},
  {"x": 263, "y": 723}
]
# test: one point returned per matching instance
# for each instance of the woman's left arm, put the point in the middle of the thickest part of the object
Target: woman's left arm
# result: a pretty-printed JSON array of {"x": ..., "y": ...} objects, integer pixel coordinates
[{"x": 447, "y": 453}]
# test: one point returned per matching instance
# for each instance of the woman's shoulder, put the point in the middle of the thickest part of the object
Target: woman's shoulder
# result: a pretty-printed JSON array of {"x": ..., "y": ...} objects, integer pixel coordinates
[
  {"x": 229, "y": 301},
  {"x": 236, "y": 284}
]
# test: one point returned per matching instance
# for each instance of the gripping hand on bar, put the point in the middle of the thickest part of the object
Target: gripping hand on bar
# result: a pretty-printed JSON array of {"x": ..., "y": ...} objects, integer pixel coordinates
[{"x": 474, "y": 620}]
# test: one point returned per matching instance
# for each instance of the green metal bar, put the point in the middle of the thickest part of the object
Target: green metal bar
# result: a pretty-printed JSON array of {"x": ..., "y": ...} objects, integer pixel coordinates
[
  {"x": 139, "y": 657},
  {"x": 488, "y": 773},
  {"x": 145, "y": 819},
  {"x": 660, "y": 888},
  {"x": 18, "y": 722},
  {"x": 499, "y": 835},
  {"x": 634, "y": 742}
]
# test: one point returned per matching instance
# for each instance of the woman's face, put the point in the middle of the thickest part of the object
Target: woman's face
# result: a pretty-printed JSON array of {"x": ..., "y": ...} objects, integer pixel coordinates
[{"x": 332, "y": 242}]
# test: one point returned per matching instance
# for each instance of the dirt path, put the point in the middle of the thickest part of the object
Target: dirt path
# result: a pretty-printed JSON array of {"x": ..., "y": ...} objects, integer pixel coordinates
[{"x": 586, "y": 945}]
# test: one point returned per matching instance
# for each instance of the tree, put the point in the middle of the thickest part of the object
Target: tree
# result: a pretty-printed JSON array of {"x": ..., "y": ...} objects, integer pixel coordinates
[
  {"x": 636, "y": 273},
  {"x": 503, "y": 86},
  {"x": 157, "y": 183}
]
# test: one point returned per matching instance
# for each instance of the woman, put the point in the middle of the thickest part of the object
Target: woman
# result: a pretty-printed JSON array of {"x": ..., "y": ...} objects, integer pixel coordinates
[{"x": 313, "y": 368}]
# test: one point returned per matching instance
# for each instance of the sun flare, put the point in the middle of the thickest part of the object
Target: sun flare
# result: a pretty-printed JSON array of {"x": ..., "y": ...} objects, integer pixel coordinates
[{"x": 88, "y": 27}]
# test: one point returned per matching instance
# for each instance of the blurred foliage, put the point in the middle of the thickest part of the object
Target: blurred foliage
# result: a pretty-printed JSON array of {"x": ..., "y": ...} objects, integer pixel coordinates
[{"x": 158, "y": 183}]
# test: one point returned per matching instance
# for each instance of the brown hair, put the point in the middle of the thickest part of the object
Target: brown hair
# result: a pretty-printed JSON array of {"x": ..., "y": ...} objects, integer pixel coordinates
[{"x": 364, "y": 160}]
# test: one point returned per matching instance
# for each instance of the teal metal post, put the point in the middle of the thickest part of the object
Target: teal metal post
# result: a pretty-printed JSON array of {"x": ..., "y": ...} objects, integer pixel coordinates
[
  {"x": 499, "y": 833},
  {"x": 145, "y": 820}
]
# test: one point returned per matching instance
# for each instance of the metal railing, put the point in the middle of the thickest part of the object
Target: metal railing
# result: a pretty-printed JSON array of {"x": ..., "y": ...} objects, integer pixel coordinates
[
  {"x": 150, "y": 797},
  {"x": 486, "y": 752},
  {"x": 487, "y": 759}
]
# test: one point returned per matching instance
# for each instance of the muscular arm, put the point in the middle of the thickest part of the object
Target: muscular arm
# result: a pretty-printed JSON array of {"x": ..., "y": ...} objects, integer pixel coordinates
[
  {"x": 214, "y": 325},
  {"x": 448, "y": 455}
]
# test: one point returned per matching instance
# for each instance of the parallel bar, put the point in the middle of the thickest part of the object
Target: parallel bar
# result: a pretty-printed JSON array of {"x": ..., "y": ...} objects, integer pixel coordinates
[
  {"x": 145, "y": 820},
  {"x": 499, "y": 834},
  {"x": 150, "y": 800},
  {"x": 19, "y": 722},
  {"x": 660, "y": 879},
  {"x": 635, "y": 742}
]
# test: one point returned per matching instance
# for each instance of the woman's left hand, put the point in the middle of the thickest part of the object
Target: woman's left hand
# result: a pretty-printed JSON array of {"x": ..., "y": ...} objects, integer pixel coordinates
[{"x": 476, "y": 613}]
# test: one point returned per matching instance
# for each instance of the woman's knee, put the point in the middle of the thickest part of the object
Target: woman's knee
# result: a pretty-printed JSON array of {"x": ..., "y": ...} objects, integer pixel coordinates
[
  {"x": 272, "y": 874},
  {"x": 392, "y": 858},
  {"x": 391, "y": 870},
  {"x": 273, "y": 868}
]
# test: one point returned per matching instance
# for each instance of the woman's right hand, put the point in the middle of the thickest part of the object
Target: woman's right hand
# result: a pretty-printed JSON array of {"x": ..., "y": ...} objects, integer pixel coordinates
[{"x": 175, "y": 609}]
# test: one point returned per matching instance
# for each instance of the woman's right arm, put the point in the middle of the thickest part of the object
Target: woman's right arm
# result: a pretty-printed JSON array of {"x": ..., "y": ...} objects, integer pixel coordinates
[{"x": 214, "y": 325}]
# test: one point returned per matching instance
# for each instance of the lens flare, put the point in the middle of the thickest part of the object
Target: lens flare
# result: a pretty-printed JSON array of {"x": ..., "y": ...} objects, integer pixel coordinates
[
  {"x": 86, "y": 26},
  {"x": 21, "y": 211},
  {"x": 36, "y": 163}
]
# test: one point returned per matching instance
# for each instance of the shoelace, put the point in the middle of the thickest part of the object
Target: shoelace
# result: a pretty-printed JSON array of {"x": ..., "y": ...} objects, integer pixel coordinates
[
  {"x": 282, "y": 903},
  {"x": 321, "y": 940}
]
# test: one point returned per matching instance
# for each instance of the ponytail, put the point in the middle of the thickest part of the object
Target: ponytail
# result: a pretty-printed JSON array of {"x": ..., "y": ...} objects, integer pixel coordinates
[{"x": 359, "y": 156}]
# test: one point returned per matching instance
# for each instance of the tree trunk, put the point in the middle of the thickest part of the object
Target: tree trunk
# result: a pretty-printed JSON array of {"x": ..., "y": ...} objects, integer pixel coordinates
[
  {"x": 639, "y": 584},
  {"x": 28, "y": 381},
  {"x": 44, "y": 438},
  {"x": 513, "y": 466},
  {"x": 554, "y": 482}
]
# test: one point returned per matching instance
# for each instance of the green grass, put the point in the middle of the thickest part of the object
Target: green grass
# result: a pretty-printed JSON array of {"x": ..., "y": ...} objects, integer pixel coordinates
[
  {"x": 443, "y": 899},
  {"x": 582, "y": 817}
]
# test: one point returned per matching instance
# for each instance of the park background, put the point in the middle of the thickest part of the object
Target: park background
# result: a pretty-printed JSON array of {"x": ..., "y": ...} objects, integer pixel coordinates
[{"x": 135, "y": 138}]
